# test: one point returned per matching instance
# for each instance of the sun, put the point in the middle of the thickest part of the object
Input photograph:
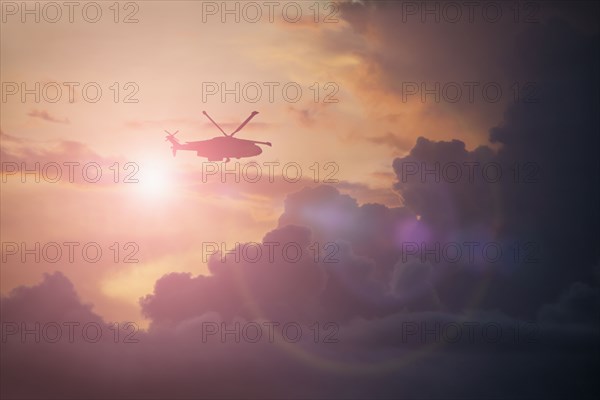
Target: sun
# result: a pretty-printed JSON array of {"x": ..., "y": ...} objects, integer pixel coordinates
[{"x": 154, "y": 180}]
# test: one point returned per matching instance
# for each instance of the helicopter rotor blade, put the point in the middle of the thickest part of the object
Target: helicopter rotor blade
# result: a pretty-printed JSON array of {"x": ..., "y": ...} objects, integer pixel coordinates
[
  {"x": 265, "y": 143},
  {"x": 217, "y": 125},
  {"x": 244, "y": 123}
]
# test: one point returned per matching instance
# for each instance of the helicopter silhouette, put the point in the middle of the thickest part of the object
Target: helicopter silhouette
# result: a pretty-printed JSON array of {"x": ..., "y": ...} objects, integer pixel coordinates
[{"x": 219, "y": 148}]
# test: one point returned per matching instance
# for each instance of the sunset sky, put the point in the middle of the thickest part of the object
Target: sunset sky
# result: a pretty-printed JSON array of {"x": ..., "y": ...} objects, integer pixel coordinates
[
  {"x": 372, "y": 64},
  {"x": 169, "y": 54}
]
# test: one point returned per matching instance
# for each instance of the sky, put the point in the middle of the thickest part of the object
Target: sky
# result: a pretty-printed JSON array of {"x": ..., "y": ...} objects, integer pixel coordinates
[{"x": 432, "y": 164}]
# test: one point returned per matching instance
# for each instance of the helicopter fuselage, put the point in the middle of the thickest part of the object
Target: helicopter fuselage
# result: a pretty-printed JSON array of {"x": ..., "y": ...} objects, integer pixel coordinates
[{"x": 219, "y": 148}]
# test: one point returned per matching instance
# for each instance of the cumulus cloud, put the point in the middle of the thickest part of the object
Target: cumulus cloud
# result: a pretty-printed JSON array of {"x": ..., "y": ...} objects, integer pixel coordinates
[{"x": 288, "y": 275}]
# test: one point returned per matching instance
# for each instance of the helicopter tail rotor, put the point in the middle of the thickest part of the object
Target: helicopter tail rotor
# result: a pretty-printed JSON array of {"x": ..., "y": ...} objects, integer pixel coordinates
[{"x": 171, "y": 138}]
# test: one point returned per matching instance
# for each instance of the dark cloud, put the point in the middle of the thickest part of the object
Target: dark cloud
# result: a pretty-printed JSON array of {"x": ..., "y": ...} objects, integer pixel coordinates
[
  {"x": 435, "y": 182},
  {"x": 577, "y": 305},
  {"x": 31, "y": 303},
  {"x": 549, "y": 185},
  {"x": 402, "y": 355},
  {"x": 401, "y": 43}
]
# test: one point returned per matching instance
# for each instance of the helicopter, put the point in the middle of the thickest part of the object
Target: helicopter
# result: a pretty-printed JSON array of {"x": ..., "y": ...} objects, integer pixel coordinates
[{"x": 219, "y": 148}]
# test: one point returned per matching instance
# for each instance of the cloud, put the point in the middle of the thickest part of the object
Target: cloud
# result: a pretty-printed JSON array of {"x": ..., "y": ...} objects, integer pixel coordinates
[
  {"x": 392, "y": 140},
  {"x": 334, "y": 216},
  {"x": 387, "y": 357},
  {"x": 288, "y": 275},
  {"x": 43, "y": 114},
  {"x": 577, "y": 305},
  {"x": 27, "y": 154},
  {"x": 445, "y": 184},
  {"x": 31, "y": 303},
  {"x": 548, "y": 185}
]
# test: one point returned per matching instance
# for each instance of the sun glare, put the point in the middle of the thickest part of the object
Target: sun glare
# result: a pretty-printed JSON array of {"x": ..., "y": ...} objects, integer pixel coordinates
[{"x": 153, "y": 180}]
